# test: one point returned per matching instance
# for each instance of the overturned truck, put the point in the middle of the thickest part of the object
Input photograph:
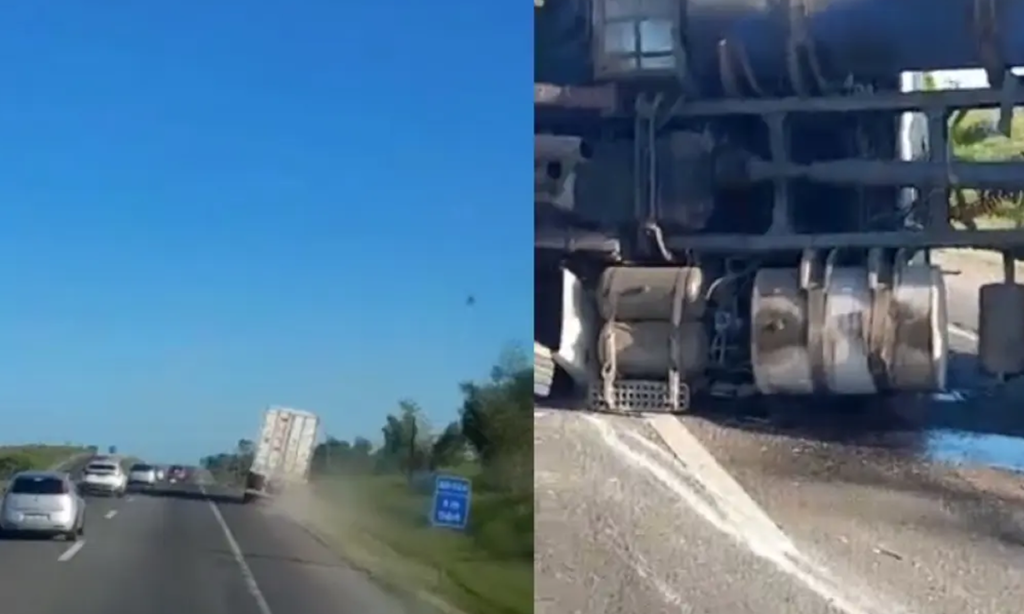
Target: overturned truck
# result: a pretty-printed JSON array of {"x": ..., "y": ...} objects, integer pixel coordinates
[
  {"x": 283, "y": 454},
  {"x": 739, "y": 197}
]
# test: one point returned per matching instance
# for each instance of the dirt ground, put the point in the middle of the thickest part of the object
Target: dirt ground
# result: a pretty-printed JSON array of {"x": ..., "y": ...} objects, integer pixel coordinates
[{"x": 978, "y": 265}]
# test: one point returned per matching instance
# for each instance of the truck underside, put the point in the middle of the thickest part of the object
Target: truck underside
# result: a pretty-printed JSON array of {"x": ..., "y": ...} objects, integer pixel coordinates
[{"x": 746, "y": 208}]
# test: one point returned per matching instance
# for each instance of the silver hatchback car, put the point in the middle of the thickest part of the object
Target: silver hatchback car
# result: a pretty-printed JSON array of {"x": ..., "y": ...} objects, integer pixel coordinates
[{"x": 43, "y": 502}]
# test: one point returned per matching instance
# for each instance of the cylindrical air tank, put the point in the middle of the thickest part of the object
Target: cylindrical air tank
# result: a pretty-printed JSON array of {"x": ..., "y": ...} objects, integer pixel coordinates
[{"x": 864, "y": 39}]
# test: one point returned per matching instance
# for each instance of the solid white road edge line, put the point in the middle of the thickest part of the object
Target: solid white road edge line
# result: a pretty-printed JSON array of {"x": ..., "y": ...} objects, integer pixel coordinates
[
  {"x": 236, "y": 552},
  {"x": 70, "y": 553},
  {"x": 110, "y": 514},
  {"x": 733, "y": 512}
]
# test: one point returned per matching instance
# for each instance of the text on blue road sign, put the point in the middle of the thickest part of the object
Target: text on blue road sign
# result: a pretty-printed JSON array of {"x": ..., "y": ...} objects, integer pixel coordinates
[{"x": 451, "y": 502}]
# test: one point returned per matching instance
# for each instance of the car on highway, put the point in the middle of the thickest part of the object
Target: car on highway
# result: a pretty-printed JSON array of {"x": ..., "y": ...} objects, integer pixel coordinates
[
  {"x": 177, "y": 473},
  {"x": 141, "y": 475},
  {"x": 104, "y": 478},
  {"x": 161, "y": 475},
  {"x": 45, "y": 502}
]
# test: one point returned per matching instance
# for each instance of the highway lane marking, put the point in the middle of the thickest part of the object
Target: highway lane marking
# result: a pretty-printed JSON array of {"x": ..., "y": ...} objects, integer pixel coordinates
[
  {"x": 721, "y": 501},
  {"x": 963, "y": 332},
  {"x": 110, "y": 514},
  {"x": 236, "y": 552},
  {"x": 70, "y": 553}
]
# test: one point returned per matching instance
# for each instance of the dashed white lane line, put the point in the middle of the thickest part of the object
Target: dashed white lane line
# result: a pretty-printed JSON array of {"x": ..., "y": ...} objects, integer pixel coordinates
[
  {"x": 110, "y": 514},
  {"x": 236, "y": 552},
  {"x": 722, "y": 502},
  {"x": 70, "y": 553}
]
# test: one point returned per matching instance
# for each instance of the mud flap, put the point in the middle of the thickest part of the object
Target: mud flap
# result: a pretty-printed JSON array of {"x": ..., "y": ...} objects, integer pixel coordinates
[
  {"x": 570, "y": 347},
  {"x": 543, "y": 370}
]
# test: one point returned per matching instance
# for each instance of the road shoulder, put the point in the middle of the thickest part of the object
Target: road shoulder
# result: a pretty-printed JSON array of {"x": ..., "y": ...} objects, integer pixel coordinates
[{"x": 297, "y": 571}]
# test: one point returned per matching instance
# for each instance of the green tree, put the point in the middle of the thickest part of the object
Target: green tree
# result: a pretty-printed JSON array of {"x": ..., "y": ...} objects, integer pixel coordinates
[
  {"x": 361, "y": 448},
  {"x": 407, "y": 441},
  {"x": 332, "y": 456},
  {"x": 245, "y": 447},
  {"x": 497, "y": 422},
  {"x": 449, "y": 448},
  {"x": 335, "y": 455}
]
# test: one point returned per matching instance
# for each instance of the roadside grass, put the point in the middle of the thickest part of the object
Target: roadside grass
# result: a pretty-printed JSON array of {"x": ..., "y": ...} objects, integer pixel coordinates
[
  {"x": 36, "y": 456},
  {"x": 380, "y": 523}
]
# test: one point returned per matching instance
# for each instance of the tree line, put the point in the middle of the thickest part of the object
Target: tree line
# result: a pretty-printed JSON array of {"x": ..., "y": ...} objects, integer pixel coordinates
[{"x": 493, "y": 432}]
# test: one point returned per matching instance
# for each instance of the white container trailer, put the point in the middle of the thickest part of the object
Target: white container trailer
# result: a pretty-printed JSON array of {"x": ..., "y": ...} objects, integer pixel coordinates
[{"x": 284, "y": 451}]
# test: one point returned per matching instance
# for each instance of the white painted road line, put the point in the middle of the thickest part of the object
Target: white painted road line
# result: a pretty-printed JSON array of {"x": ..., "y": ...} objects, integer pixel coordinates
[
  {"x": 111, "y": 514},
  {"x": 963, "y": 332},
  {"x": 70, "y": 553},
  {"x": 236, "y": 552},
  {"x": 722, "y": 502}
]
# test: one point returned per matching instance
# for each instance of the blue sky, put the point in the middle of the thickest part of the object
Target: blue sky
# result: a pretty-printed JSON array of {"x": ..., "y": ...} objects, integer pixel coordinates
[{"x": 209, "y": 207}]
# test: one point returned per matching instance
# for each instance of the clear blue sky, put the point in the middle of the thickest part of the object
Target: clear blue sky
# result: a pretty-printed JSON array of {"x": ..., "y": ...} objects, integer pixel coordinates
[{"x": 209, "y": 207}]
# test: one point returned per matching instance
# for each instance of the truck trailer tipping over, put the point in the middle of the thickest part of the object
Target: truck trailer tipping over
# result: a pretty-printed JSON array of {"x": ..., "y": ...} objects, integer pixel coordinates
[
  {"x": 283, "y": 453},
  {"x": 739, "y": 197}
]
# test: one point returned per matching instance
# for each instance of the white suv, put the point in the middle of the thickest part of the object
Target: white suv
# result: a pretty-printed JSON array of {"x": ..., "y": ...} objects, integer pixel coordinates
[
  {"x": 104, "y": 478},
  {"x": 142, "y": 475}
]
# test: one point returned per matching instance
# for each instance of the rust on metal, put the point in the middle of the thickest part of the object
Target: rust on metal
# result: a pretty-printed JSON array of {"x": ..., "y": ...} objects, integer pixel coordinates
[{"x": 603, "y": 98}]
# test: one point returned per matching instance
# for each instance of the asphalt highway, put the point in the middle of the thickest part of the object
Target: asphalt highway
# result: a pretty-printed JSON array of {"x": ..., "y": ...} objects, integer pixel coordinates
[
  {"x": 189, "y": 549},
  {"x": 828, "y": 509}
]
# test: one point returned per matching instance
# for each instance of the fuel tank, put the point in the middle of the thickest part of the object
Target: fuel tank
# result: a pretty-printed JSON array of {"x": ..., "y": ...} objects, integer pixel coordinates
[{"x": 866, "y": 40}]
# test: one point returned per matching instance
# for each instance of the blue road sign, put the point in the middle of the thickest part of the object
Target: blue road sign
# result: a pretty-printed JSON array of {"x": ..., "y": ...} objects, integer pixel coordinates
[{"x": 452, "y": 495}]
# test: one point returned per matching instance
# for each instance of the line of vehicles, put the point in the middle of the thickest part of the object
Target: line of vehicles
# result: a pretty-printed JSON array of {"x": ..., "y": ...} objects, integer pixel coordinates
[
  {"x": 53, "y": 502},
  {"x": 104, "y": 476}
]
